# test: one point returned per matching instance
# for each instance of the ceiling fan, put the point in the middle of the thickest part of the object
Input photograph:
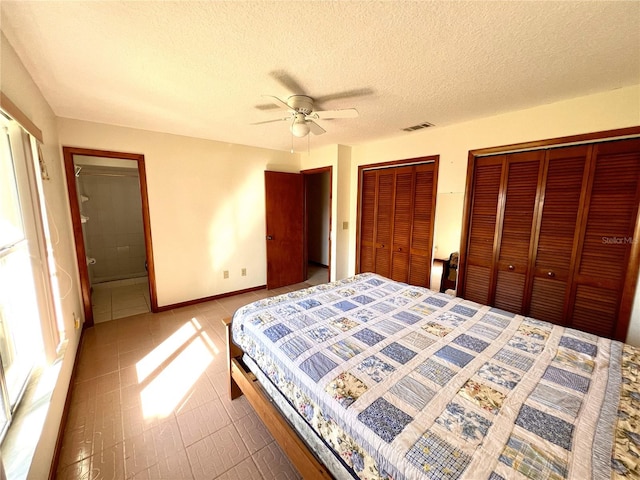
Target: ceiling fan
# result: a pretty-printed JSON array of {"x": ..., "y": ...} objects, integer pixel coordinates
[{"x": 302, "y": 115}]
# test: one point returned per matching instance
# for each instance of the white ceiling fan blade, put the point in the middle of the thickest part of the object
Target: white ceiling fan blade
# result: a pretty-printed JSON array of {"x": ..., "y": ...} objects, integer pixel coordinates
[
  {"x": 328, "y": 114},
  {"x": 315, "y": 128},
  {"x": 278, "y": 102},
  {"x": 271, "y": 121}
]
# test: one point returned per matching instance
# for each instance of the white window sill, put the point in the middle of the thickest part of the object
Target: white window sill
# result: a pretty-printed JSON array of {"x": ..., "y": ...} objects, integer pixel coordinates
[{"x": 19, "y": 445}]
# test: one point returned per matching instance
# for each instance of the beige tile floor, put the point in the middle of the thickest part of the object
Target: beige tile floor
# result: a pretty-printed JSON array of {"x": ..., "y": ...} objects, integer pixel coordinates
[
  {"x": 150, "y": 402},
  {"x": 119, "y": 299}
]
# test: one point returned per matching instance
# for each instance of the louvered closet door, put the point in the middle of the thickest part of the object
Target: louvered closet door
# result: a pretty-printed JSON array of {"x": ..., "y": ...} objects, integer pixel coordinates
[
  {"x": 517, "y": 229},
  {"x": 396, "y": 222},
  {"x": 376, "y": 221},
  {"x": 402, "y": 221},
  {"x": 367, "y": 221},
  {"x": 558, "y": 231},
  {"x": 384, "y": 221},
  {"x": 482, "y": 228},
  {"x": 610, "y": 220},
  {"x": 422, "y": 225}
]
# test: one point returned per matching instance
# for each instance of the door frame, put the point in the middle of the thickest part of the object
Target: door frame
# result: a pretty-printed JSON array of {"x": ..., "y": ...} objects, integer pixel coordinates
[
  {"x": 78, "y": 237},
  {"x": 305, "y": 176}
]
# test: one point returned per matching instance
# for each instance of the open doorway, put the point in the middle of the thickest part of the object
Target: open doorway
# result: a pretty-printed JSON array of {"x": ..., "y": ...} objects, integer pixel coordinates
[
  {"x": 109, "y": 210},
  {"x": 317, "y": 187}
]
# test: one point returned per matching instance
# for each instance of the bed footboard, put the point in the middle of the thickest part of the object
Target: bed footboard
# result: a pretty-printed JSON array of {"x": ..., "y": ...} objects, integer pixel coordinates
[{"x": 242, "y": 381}]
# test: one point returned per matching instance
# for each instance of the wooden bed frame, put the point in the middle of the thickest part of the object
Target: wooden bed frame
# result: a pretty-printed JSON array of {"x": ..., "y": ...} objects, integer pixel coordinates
[{"x": 243, "y": 382}]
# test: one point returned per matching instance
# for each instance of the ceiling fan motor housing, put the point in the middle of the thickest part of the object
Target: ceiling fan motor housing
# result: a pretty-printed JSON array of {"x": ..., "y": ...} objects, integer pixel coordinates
[{"x": 301, "y": 103}]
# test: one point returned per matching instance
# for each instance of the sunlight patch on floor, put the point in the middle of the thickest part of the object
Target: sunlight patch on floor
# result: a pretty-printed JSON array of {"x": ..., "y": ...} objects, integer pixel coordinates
[{"x": 169, "y": 385}]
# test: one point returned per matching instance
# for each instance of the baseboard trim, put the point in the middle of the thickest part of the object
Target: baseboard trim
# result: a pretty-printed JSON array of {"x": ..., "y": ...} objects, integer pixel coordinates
[
  {"x": 53, "y": 470},
  {"x": 188, "y": 303}
]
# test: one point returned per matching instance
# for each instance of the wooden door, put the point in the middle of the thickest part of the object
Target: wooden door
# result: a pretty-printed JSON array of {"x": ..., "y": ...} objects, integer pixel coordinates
[
  {"x": 579, "y": 222},
  {"x": 284, "y": 207},
  {"x": 610, "y": 218},
  {"x": 397, "y": 207},
  {"x": 367, "y": 221},
  {"x": 385, "y": 190},
  {"x": 562, "y": 197},
  {"x": 479, "y": 271},
  {"x": 520, "y": 187},
  {"x": 402, "y": 222},
  {"x": 423, "y": 219}
]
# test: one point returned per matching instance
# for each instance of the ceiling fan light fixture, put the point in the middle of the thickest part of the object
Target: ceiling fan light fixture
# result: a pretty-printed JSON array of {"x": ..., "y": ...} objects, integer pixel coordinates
[{"x": 299, "y": 127}]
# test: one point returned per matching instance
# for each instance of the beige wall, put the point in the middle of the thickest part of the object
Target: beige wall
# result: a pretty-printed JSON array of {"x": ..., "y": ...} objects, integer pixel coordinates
[
  {"x": 206, "y": 205},
  {"x": 604, "y": 111},
  {"x": 342, "y": 197},
  {"x": 17, "y": 84}
]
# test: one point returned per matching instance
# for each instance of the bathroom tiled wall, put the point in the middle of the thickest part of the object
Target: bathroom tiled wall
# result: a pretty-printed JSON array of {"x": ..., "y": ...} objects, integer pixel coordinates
[{"x": 113, "y": 231}]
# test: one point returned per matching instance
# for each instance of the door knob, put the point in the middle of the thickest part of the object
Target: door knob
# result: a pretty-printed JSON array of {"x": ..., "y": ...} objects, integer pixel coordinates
[
  {"x": 551, "y": 274},
  {"x": 511, "y": 267},
  {"x": 269, "y": 237}
]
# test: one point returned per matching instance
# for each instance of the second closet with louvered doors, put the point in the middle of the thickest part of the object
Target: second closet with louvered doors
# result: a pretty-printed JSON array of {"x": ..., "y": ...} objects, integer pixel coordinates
[
  {"x": 396, "y": 216},
  {"x": 549, "y": 233}
]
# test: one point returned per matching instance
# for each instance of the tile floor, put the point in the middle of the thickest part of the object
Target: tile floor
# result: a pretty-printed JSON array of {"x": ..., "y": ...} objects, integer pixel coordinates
[
  {"x": 317, "y": 274},
  {"x": 150, "y": 402},
  {"x": 119, "y": 299}
]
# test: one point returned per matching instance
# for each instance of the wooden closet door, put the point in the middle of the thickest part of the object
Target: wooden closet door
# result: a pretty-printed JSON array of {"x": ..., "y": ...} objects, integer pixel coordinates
[
  {"x": 520, "y": 189},
  {"x": 384, "y": 221},
  {"x": 402, "y": 222},
  {"x": 396, "y": 222},
  {"x": 482, "y": 229},
  {"x": 376, "y": 221},
  {"x": 423, "y": 217},
  {"x": 367, "y": 221},
  {"x": 562, "y": 196},
  {"x": 609, "y": 221}
]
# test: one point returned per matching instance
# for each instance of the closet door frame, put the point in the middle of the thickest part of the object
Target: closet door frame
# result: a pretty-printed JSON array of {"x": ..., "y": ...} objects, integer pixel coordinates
[
  {"x": 631, "y": 279},
  {"x": 433, "y": 159}
]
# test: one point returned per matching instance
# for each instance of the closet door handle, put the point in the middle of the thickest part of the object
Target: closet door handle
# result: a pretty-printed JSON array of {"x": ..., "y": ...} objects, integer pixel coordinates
[
  {"x": 269, "y": 237},
  {"x": 551, "y": 274},
  {"x": 511, "y": 267}
]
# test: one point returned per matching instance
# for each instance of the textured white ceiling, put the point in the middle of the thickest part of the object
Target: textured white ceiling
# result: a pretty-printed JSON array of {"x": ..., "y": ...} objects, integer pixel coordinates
[{"x": 200, "y": 68}]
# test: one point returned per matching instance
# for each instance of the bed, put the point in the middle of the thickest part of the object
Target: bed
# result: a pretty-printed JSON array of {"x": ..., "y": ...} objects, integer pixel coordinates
[{"x": 370, "y": 378}]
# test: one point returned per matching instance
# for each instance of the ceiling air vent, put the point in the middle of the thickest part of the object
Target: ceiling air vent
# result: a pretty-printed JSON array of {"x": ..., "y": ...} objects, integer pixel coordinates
[{"x": 418, "y": 127}]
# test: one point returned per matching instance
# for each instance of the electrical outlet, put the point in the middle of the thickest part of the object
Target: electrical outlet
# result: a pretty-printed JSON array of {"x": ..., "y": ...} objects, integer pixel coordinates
[
  {"x": 244, "y": 272},
  {"x": 76, "y": 321},
  {"x": 225, "y": 274}
]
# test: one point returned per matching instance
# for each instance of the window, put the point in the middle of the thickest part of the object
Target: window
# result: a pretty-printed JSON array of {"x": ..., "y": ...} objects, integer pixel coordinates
[{"x": 26, "y": 309}]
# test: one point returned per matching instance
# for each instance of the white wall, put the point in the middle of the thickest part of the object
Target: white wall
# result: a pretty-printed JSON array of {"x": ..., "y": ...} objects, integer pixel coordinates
[
  {"x": 206, "y": 205},
  {"x": 603, "y": 111},
  {"x": 17, "y": 84}
]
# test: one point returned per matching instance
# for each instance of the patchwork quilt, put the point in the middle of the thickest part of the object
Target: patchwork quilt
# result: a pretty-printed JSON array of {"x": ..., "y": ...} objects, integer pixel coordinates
[{"x": 402, "y": 382}]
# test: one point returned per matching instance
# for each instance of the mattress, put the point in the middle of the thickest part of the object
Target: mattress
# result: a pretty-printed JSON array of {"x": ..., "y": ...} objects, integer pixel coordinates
[{"x": 402, "y": 382}]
